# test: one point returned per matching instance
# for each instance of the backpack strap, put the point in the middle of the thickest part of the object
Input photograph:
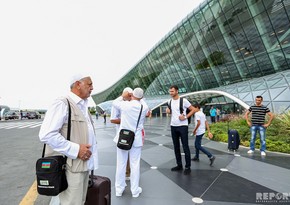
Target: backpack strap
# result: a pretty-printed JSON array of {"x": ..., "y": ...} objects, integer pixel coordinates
[
  {"x": 169, "y": 105},
  {"x": 181, "y": 105}
]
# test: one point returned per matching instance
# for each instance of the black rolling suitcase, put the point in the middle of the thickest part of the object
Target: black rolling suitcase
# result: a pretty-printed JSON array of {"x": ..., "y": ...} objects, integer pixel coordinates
[
  {"x": 99, "y": 191},
  {"x": 233, "y": 140}
]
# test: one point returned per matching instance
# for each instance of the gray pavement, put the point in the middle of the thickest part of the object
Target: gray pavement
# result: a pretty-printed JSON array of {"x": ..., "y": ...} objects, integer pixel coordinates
[{"x": 235, "y": 178}]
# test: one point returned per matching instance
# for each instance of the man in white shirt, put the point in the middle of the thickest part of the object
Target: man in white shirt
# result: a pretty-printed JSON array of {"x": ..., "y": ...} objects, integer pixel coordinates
[
  {"x": 81, "y": 150},
  {"x": 130, "y": 111},
  {"x": 179, "y": 128},
  {"x": 200, "y": 125},
  {"x": 116, "y": 117}
]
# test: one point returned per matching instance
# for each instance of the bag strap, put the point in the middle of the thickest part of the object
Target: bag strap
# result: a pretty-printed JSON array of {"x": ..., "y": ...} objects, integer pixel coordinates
[
  {"x": 181, "y": 105},
  {"x": 169, "y": 105},
  {"x": 139, "y": 117},
  {"x": 69, "y": 121},
  {"x": 68, "y": 129}
]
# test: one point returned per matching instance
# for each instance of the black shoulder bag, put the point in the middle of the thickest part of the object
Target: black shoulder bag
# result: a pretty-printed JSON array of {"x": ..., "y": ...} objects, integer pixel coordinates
[
  {"x": 126, "y": 137},
  {"x": 50, "y": 171}
]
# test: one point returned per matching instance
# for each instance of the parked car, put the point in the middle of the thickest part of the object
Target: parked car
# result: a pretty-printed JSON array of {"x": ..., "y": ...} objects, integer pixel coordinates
[
  {"x": 11, "y": 115},
  {"x": 33, "y": 115},
  {"x": 25, "y": 114}
]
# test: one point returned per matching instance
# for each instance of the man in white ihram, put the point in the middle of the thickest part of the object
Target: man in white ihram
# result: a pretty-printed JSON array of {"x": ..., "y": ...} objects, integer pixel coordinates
[
  {"x": 130, "y": 111},
  {"x": 81, "y": 150}
]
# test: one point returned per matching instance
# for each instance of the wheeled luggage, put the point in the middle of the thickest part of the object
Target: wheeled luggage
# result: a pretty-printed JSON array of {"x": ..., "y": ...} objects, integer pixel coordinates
[
  {"x": 233, "y": 140},
  {"x": 99, "y": 191}
]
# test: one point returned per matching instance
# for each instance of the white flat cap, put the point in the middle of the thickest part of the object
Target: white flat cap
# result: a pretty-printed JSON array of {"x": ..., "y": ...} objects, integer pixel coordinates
[
  {"x": 128, "y": 89},
  {"x": 138, "y": 93}
]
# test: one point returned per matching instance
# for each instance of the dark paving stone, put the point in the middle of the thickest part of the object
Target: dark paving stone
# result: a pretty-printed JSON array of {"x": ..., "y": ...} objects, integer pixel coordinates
[
  {"x": 232, "y": 188},
  {"x": 227, "y": 187},
  {"x": 195, "y": 183}
]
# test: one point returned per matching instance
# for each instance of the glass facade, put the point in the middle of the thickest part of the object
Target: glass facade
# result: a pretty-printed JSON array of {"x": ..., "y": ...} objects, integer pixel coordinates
[{"x": 220, "y": 45}]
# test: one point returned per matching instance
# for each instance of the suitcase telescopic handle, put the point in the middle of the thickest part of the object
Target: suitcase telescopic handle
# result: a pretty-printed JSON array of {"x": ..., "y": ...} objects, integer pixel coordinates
[{"x": 91, "y": 179}]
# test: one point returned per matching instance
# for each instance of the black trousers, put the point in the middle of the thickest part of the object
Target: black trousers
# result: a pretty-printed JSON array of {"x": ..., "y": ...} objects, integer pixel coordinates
[
  {"x": 212, "y": 119},
  {"x": 182, "y": 133}
]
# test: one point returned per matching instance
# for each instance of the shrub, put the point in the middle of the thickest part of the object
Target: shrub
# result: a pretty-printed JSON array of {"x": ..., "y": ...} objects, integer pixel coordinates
[{"x": 277, "y": 135}]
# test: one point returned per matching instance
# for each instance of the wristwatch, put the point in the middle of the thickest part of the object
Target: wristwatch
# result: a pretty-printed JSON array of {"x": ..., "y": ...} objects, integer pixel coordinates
[{"x": 185, "y": 117}]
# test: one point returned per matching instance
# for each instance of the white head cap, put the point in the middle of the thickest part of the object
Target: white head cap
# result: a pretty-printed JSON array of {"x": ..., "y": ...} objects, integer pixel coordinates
[
  {"x": 128, "y": 89},
  {"x": 77, "y": 77},
  {"x": 138, "y": 93}
]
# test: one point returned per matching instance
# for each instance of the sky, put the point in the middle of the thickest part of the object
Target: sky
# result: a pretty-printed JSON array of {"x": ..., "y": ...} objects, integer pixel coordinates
[{"x": 43, "y": 43}]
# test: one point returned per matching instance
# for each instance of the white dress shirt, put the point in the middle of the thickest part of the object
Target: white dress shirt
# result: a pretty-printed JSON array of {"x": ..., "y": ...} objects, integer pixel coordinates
[{"x": 54, "y": 119}]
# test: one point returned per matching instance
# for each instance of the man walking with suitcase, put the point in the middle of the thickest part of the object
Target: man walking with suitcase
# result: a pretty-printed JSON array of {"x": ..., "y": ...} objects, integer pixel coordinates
[
  {"x": 179, "y": 128},
  {"x": 258, "y": 124},
  {"x": 200, "y": 125}
]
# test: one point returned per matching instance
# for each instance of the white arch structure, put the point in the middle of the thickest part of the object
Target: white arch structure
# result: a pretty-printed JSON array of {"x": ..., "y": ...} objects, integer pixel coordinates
[{"x": 210, "y": 93}]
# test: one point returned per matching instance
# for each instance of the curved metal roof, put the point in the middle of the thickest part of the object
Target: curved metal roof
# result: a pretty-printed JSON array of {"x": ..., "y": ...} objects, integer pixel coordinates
[{"x": 220, "y": 44}]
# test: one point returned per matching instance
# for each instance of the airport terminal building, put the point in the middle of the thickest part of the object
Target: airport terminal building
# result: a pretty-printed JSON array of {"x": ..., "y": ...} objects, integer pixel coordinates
[{"x": 223, "y": 53}]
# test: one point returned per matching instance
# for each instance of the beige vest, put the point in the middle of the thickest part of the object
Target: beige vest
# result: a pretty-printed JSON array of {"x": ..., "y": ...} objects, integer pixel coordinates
[{"x": 79, "y": 134}]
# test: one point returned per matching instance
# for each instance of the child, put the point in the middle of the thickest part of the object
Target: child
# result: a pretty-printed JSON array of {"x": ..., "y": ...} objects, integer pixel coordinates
[{"x": 200, "y": 125}]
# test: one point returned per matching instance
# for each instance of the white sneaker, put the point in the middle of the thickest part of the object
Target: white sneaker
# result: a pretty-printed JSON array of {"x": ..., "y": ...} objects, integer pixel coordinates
[
  {"x": 119, "y": 193},
  {"x": 263, "y": 153},
  {"x": 250, "y": 151},
  {"x": 138, "y": 193}
]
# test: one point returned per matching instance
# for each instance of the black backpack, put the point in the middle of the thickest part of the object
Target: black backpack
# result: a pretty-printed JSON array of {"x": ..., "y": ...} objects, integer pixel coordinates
[{"x": 181, "y": 109}]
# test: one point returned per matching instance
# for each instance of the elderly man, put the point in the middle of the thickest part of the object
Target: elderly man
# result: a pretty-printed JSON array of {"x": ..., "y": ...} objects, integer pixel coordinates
[
  {"x": 130, "y": 111},
  {"x": 81, "y": 150}
]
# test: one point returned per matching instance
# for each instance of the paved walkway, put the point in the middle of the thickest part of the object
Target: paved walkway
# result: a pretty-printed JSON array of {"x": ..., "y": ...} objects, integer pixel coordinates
[{"x": 235, "y": 178}]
